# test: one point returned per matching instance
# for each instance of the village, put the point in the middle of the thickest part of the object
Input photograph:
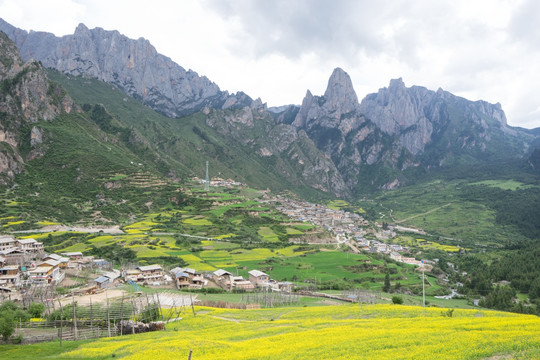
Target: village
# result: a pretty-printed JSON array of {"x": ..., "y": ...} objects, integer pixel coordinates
[
  {"x": 348, "y": 227},
  {"x": 24, "y": 265}
]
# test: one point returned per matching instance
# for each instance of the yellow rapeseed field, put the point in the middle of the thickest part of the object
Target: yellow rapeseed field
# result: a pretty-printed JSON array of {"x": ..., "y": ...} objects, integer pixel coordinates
[{"x": 332, "y": 332}]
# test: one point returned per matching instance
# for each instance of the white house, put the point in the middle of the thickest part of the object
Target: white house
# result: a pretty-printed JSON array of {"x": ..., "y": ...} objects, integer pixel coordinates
[
  {"x": 6, "y": 243},
  {"x": 151, "y": 272},
  {"x": 29, "y": 245}
]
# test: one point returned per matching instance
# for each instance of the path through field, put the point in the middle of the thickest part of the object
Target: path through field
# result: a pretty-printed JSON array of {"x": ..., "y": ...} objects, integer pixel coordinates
[{"x": 427, "y": 212}]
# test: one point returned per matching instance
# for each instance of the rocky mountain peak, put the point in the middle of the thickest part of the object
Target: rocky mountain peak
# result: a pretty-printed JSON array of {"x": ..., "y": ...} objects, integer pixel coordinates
[
  {"x": 81, "y": 29},
  {"x": 396, "y": 84},
  {"x": 393, "y": 109},
  {"x": 340, "y": 95}
]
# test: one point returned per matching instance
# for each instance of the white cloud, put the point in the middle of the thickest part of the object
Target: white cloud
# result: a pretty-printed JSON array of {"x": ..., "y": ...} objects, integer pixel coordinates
[{"x": 278, "y": 49}]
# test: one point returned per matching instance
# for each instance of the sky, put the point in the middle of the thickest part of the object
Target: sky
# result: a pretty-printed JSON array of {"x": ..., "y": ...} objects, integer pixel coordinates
[{"x": 278, "y": 49}]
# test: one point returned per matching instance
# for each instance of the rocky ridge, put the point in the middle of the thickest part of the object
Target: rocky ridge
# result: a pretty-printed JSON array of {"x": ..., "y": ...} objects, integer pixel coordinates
[
  {"x": 133, "y": 65},
  {"x": 354, "y": 143},
  {"x": 292, "y": 154},
  {"x": 399, "y": 128},
  {"x": 337, "y": 127}
]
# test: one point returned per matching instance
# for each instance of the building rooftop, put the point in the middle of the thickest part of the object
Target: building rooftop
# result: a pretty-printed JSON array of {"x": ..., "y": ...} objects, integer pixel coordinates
[
  {"x": 221, "y": 272},
  {"x": 26, "y": 241},
  {"x": 50, "y": 263},
  {"x": 40, "y": 269},
  {"x": 257, "y": 273},
  {"x": 101, "y": 279},
  {"x": 73, "y": 253},
  {"x": 150, "y": 267},
  {"x": 53, "y": 257}
]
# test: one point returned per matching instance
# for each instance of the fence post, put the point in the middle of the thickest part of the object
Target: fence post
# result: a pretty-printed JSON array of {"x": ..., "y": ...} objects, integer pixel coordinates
[
  {"x": 108, "y": 317},
  {"x": 74, "y": 317},
  {"x": 160, "y": 310},
  {"x": 91, "y": 317},
  {"x": 122, "y": 316},
  {"x": 61, "y": 316}
]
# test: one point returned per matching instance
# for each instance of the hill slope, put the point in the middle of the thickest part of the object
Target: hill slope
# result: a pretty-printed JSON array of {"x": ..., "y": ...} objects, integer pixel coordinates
[{"x": 243, "y": 144}]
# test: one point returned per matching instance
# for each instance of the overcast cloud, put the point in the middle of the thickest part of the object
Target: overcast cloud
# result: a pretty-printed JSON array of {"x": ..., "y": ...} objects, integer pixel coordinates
[{"x": 278, "y": 49}]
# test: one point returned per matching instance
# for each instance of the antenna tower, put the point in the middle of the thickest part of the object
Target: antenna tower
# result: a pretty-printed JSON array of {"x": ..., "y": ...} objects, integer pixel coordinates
[{"x": 207, "y": 180}]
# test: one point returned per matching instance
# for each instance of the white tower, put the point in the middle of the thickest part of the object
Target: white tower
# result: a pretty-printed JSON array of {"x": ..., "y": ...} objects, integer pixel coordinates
[{"x": 207, "y": 179}]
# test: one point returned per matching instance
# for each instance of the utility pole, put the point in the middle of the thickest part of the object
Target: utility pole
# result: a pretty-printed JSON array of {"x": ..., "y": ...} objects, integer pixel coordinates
[{"x": 423, "y": 286}]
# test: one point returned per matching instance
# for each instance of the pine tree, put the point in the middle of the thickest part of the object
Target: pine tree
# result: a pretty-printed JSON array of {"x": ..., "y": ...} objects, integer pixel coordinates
[{"x": 386, "y": 287}]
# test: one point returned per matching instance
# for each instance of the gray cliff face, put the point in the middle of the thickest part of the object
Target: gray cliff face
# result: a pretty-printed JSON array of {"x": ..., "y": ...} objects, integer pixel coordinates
[
  {"x": 423, "y": 120},
  {"x": 339, "y": 99},
  {"x": 26, "y": 97},
  {"x": 132, "y": 65},
  {"x": 333, "y": 121},
  {"x": 399, "y": 111},
  {"x": 339, "y": 96},
  {"x": 399, "y": 127},
  {"x": 292, "y": 153}
]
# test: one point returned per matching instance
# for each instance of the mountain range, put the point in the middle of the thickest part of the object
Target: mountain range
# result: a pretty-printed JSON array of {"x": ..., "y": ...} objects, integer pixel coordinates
[{"x": 331, "y": 144}]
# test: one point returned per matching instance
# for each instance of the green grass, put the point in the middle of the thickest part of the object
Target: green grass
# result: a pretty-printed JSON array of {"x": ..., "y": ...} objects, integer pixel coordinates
[
  {"x": 268, "y": 234},
  {"x": 438, "y": 208},
  {"x": 503, "y": 184},
  {"x": 197, "y": 222},
  {"x": 193, "y": 140}
]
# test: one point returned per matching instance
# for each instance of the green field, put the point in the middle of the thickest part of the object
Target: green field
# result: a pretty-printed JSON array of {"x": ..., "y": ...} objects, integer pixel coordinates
[{"x": 441, "y": 208}]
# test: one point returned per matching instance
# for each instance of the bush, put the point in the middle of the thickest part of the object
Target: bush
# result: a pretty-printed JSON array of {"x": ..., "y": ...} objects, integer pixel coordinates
[
  {"x": 17, "y": 339},
  {"x": 448, "y": 313},
  {"x": 7, "y": 325},
  {"x": 36, "y": 310},
  {"x": 396, "y": 299}
]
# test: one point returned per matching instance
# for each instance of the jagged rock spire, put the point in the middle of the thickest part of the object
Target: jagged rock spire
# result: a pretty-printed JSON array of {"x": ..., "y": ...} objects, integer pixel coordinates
[{"x": 340, "y": 95}]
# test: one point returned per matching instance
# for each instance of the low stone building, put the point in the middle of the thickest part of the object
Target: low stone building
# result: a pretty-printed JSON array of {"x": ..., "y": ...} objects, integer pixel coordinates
[{"x": 258, "y": 278}]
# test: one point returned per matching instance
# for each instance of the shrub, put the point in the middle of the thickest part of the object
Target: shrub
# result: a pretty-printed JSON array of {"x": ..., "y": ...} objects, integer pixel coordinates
[
  {"x": 396, "y": 299},
  {"x": 7, "y": 325},
  {"x": 36, "y": 310}
]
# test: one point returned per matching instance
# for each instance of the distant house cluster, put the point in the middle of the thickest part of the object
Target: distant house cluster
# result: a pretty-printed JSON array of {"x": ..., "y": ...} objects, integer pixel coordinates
[
  {"x": 18, "y": 251},
  {"x": 336, "y": 220},
  {"x": 229, "y": 183},
  {"x": 23, "y": 262},
  {"x": 343, "y": 224},
  {"x": 257, "y": 279},
  {"x": 188, "y": 278}
]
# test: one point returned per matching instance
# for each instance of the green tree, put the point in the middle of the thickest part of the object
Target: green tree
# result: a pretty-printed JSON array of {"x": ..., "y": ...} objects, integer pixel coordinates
[
  {"x": 36, "y": 310},
  {"x": 386, "y": 286},
  {"x": 396, "y": 299},
  {"x": 534, "y": 290},
  {"x": 7, "y": 324}
]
